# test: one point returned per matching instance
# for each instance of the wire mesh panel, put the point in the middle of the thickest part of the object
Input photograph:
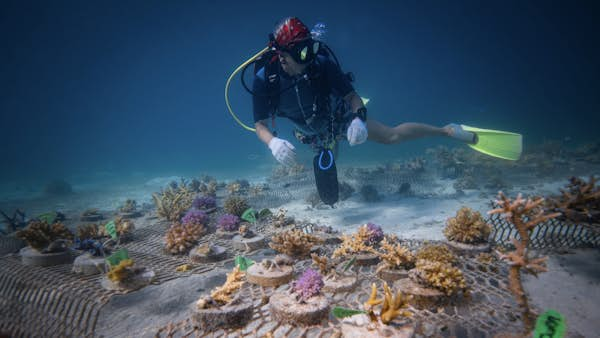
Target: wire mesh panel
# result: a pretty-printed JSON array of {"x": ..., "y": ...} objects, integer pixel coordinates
[{"x": 552, "y": 234}]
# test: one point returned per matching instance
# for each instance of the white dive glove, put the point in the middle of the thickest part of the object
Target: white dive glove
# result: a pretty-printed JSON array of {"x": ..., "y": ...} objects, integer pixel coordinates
[
  {"x": 283, "y": 151},
  {"x": 357, "y": 132}
]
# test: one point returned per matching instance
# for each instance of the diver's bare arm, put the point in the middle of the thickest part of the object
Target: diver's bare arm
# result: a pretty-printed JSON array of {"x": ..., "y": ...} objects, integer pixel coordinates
[
  {"x": 263, "y": 133},
  {"x": 354, "y": 100}
]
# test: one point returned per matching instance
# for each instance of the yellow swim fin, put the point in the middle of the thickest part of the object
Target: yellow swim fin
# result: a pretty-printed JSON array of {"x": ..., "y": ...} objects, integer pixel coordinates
[{"x": 497, "y": 143}]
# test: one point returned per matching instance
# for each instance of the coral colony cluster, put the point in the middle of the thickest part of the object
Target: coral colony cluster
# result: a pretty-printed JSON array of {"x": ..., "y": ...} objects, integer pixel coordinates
[
  {"x": 467, "y": 227},
  {"x": 294, "y": 243},
  {"x": 228, "y": 222},
  {"x": 429, "y": 270},
  {"x": 308, "y": 285},
  {"x": 45, "y": 237},
  {"x": 204, "y": 202}
]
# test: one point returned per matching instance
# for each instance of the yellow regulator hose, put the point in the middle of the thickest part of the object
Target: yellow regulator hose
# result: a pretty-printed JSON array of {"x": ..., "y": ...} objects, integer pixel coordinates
[{"x": 237, "y": 70}]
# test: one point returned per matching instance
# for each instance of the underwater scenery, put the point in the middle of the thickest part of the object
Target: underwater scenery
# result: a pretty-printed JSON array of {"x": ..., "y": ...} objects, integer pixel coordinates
[{"x": 300, "y": 169}]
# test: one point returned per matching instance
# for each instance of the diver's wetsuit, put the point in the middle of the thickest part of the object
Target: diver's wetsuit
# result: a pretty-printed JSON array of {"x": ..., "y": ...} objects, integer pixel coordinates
[{"x": 299, "y": 102}]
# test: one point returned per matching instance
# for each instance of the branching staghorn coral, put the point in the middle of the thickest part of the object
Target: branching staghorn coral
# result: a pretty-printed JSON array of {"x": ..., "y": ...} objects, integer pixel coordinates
[
  {"x": 294, "y": 243},
  {"x": 181, "y": 237},
  {"x": 325, "y": 266},
  {"x": 173, "y": 201},
  {"x": 579, "y": 201},
  {"x": 439, "y": 275},
  {"x": 223, "y": 294},
  {"x": 370, "y": 233},
  {"x": 392, "y": 305},
  {"x": 351, "y": 245},
  {"x": 467, "y": 227},
  {"x": 395, "y": 256},
  {"x": 437, "y": 253},
  {"x": 40, "y": 235},
  {"x": 525, "y": 215},
  {"x": 235, "y": 205}
]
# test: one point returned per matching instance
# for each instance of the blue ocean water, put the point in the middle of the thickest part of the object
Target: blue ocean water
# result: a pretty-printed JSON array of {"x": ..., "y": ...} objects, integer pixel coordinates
[{"x": 127, "y": 89}]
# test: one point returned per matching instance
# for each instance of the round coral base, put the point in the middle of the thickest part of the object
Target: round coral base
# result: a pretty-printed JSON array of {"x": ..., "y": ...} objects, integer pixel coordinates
[
  {"x": 224, "y": 317},
  {"x": 285, "y": 308},
  {"x": 258, "y": 274}
]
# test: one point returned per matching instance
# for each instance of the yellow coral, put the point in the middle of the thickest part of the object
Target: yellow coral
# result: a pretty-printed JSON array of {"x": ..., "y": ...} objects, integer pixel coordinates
[
  {"x": 121, "y": 271},
  {"x": 467, "y": 227},
  {"x": 234, "y": 282},
  {"x": 294, "y": 243},
  {"x": 437, "y": 253},
  {"x": 392, "y": 305},
  {"x": 441, "y": 276},
  {"x": 351, "y": 245},
  {"x": 395, "y": 256}
]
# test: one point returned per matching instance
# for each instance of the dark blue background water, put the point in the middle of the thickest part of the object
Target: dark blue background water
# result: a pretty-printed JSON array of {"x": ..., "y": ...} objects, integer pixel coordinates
[{"x": 137, "y": 86}]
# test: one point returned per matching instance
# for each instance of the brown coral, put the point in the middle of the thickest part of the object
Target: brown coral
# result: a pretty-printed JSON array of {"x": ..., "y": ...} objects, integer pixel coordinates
[
  {"x": 439, "y": 275},
  {"x": 39, "y": 234},
  {"x": 88, "y": 231},
  {"x": 294, "y": 243},
  {"x": 325, "y": 265},
  {"x": 525, "y": 215},
  {"x": 235, "y": 205},
  {"x": 173, "y": 201},
  {"x": 180, "y": 238},
  {"x": 437, "y": 253},
  {"x": 579, "y": 201},
  {"x": 395, "y": 256},
  {"x": 467, "y": 227},
  {"x": 121, "y": 272}
]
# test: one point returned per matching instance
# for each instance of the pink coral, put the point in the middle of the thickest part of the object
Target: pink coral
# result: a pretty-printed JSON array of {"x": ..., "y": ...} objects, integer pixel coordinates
[{"x": 309, "y": 284}]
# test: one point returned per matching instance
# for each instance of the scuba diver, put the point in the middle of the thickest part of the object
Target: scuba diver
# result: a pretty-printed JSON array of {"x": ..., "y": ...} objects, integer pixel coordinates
[{"x": 297, "y": 76}]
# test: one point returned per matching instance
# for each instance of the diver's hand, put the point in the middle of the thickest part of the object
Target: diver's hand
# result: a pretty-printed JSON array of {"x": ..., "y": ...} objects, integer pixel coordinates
[
  {"x": 357, "y": 132},
  {"x": 283, "y": 151}
]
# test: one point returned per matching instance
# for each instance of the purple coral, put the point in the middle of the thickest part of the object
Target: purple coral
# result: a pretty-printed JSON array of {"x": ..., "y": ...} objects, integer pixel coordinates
[
  {"x": 375, "y": 233},
  {"x": 228, "y": 222},
  {"x": 194, "y": 217},
  {"x": 204, "y": 202},
  {"x": 309, "y": 284}
]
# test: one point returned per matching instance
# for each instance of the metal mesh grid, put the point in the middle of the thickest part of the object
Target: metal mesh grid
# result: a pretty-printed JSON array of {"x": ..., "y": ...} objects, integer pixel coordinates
[
  {"x": 552, "y": 234},
  {"x": 490, "y": 309},
  {"x": 61, "y": 303}
]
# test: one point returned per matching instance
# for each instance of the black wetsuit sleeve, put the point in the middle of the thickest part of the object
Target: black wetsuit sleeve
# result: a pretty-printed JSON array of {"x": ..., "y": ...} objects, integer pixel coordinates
[
  {"x": 260, "y": 101},
  {"x": 339, "y": 82}
]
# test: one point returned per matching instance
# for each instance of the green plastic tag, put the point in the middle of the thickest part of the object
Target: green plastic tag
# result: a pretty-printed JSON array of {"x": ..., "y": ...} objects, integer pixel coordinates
[
  {"x": 340, "y": 312},
  {"x": 550, "y": 324},
  {"x": 117, "y": 257},
  {"x": 249, "y": 215},
  {"x": 243, "y": 262},
  {"x": 111, "y": 229},
  {"x": 48, "y": 217},
  {"x": 349, "y": 264},
  {"x": 264, "y": 213}
]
